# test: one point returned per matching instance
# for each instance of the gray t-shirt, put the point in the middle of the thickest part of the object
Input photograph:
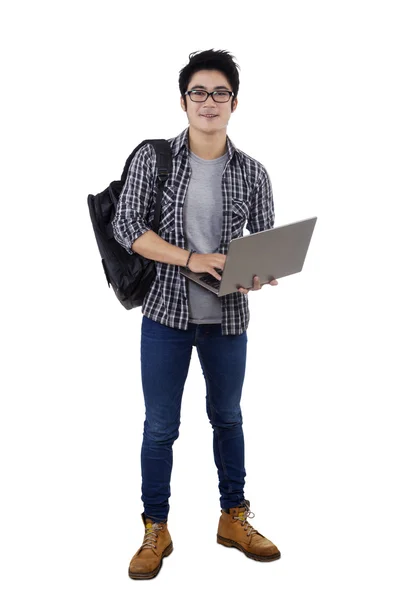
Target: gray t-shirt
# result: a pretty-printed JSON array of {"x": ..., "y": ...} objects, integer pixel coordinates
[{"x": 202, "y": 222}]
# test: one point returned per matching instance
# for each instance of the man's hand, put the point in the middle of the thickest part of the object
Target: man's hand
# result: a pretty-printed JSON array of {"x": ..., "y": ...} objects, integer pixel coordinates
[
  {"x": 256, "y": 285},
  {"x": 207, "y": 263}
]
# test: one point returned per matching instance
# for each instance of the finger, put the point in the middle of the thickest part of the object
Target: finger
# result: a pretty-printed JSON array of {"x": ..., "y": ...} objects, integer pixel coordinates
[
  {"x": 221, "y": 260},
  {"x": 272, "y": 282},
  {"x": 256, "y": 283},
  {"x": 214, "y": 273},
  {"x": 243, "y": 290}
]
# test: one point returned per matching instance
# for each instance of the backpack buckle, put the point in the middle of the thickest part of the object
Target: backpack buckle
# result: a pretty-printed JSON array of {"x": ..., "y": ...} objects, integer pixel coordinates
[{"x": 162, "y": 174}]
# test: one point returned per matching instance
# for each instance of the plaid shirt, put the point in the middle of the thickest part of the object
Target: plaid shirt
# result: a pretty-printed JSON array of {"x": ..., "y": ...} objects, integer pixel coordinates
[{"x": 247, "y": 197}]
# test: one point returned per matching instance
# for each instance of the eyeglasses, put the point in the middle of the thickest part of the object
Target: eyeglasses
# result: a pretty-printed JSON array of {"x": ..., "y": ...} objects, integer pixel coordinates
[{"x": 202, "y": 95}]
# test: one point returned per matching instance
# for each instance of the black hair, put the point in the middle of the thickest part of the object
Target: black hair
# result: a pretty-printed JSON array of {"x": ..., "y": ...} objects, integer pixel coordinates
[{"x": 219, "y": 60}]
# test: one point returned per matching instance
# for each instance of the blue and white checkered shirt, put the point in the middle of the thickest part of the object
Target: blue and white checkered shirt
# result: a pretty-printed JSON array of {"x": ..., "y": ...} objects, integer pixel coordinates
[{"x": 247, "y": 200}]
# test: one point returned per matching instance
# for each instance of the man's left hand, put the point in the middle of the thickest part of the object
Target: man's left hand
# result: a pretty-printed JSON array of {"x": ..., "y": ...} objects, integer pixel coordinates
[{"x": 256, "y": 285}]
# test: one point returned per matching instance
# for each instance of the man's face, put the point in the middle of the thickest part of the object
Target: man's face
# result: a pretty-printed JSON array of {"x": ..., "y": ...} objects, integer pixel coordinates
[{"x": 210, "y": 81}]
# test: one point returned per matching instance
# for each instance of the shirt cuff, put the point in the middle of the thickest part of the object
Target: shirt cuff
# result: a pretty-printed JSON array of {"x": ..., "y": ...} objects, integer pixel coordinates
[{"x": 136, "y": 230}]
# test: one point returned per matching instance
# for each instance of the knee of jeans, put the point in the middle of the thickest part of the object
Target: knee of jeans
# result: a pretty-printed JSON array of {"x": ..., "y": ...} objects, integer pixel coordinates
[
  {"x": 226, "y": 420},
  {"x": 160, "y": 433}
]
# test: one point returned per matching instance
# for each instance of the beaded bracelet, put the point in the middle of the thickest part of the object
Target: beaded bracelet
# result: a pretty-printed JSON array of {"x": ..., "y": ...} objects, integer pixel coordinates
[{"x": 187, "y": 262}]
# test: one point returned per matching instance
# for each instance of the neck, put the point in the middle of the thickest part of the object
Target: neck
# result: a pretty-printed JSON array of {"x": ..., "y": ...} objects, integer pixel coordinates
[{"x": 207, "y": 146}]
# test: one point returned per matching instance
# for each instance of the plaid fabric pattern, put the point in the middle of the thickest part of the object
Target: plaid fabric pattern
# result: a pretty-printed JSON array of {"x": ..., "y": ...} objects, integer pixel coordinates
[{"x": 247, "y": 200}]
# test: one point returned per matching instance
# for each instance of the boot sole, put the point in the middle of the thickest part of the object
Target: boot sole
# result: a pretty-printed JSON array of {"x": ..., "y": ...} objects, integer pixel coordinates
[
  {"x": 233, "y": 544},
  {"x": 155, "y": 572}
]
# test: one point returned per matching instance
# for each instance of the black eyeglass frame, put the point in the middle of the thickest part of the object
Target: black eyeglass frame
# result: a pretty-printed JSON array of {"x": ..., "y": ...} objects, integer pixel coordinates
[{"x": 231, "y": 94}]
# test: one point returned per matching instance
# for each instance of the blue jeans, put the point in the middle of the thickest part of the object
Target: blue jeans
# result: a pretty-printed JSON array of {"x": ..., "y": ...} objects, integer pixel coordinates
[{"x": 165, "y": 359}]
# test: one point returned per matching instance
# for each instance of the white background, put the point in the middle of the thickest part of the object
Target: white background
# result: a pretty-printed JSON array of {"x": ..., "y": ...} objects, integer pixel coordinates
[{"x": 84, "y": 83}]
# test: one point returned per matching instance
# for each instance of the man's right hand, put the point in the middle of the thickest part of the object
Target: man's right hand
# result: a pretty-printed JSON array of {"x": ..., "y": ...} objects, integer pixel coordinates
[{"x": 207, "y": 263}]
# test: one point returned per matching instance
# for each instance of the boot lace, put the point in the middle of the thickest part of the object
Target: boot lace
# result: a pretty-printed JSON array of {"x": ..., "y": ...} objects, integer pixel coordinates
[
  {"x": 151, "y": 535},
  {"x": 247, "y": 514}
]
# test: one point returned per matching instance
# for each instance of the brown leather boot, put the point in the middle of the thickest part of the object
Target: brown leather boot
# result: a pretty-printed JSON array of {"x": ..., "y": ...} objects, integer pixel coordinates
[
  {"x": 157, "y": 544},
  {"x": 234, "y": 531}
]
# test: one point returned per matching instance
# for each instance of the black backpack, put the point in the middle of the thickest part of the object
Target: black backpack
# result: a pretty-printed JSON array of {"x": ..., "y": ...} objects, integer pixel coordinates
[{"x": 130, "y": 275}]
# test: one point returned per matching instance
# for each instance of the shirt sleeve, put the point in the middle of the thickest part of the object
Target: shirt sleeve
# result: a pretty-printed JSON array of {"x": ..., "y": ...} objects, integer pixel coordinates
[
  {"x": 262, "y": 213},
  {"x": 129, "y": 222}
]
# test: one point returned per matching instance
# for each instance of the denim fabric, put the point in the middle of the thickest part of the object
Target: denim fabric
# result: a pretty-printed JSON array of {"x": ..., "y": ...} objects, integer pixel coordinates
[{"x": 165, "y": 359}]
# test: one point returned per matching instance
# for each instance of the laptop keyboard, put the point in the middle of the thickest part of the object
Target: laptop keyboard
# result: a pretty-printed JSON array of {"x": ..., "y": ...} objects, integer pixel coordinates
[{"x": 210, "y": 279}]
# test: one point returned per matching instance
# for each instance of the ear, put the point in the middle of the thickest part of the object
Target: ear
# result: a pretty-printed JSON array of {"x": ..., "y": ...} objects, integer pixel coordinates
[
  {"x": 183, "y": 104},
  {"x": 235, "y": 103}
]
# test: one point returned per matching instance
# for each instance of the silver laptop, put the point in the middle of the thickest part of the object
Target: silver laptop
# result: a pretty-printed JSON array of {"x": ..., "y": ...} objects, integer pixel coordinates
[{"x": 270, "y": 254}]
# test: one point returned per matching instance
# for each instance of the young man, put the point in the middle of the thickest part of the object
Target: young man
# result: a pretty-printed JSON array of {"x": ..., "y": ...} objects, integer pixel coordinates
[{"x": 214, "y": 189}]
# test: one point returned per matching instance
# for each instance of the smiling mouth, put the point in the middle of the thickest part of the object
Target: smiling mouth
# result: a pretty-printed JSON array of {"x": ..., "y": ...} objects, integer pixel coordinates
[{"x": 209, "y": 116}]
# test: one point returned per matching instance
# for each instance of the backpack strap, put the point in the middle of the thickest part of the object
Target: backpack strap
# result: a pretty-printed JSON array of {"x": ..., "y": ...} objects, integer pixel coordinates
[{"x": 163, "y": 169}]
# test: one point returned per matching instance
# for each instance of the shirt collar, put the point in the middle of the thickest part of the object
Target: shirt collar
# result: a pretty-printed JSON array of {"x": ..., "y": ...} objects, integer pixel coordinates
[{"x": 182, "y": 140}]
